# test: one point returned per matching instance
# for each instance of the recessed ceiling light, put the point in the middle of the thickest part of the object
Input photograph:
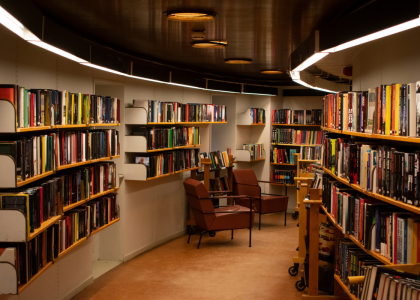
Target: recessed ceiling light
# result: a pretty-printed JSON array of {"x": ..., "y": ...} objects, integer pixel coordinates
[
  {"x": 220, "y": 42},
  {"x": 209, "y": 45},
  {"x": 238, "y": 61},
  {"x": 271, "y": 72},
  {"x": 190, "y": 16}
]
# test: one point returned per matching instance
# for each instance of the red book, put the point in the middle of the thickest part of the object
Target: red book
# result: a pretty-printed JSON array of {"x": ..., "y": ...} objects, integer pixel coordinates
[
  {"x": 274, "y": 113},
  {"x": 272, "y": 179}
]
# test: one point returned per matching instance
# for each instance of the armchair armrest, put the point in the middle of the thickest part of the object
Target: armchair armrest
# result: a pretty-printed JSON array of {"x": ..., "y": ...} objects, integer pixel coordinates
[
  {"x": 266, "y": 181},
  {"x": 232, "y": 197},
  {"x": 220, "y": 192}
]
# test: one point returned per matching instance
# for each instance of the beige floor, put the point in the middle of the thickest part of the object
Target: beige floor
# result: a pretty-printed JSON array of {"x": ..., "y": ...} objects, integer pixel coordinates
[{"x": 221, "y": 269}]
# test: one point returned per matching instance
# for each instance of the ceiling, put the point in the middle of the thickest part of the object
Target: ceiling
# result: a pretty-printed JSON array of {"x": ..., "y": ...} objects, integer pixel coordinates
[{"x": 266, "y": 31}]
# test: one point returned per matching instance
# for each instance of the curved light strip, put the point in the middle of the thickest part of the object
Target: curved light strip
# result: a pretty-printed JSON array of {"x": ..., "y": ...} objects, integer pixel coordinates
[
  {"x": 19, "y": 29},
  {"x": 296, "y": 78}
]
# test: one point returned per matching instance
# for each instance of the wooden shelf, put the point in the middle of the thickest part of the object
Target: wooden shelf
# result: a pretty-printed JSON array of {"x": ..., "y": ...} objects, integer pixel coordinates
[
  {"x": 332, "y": 220},
  {"x": 105, "y": 226},
  {"x": 258, "y": 124},
  {"x": 35, "y": 178},
  {"x": 184, "y": 147},
  {"x": 181, "y": 171},
  {"x": 345, "y": 288},
  {"x": 281, "y": 164},
  {"x": 73, "y": 205},
  {"x": 295, "y": 125},
  {"x": 189, "y": 123},
  {"x": 376, "y": 255},
  {"x": 214, "y": 123},
  {"x": 103, "y": 124},
  {"x": 116, "y": 156},
  {"x": 70, "y": 126},
  {"x": 22, "y": 287},
  {"x": 331, "y": 130},
  {"x": 160, "y": 176},
  {"x": 162, "y": 149},
  {"x": 260, "y": 159},
  {"x": 160, "y": 123},
  {"x": 294, "y": 145},
  {"x": 35, "y": 128},
  {"x": 396, "y": 138},
  {"x": 71, "y": 247},
  {"x": 389, "y": 200},
  {"x": 366, "y": 135},
  {"x": 281, "y": 184},
  {"x": 99, "y": 159},
  {"x": 309, "y": 160},
  {"x": 73, "y": 165},
  {"x": 44, "y": 226}
]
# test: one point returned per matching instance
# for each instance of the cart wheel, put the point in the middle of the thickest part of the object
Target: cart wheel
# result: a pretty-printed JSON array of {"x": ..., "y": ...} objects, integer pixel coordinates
[
  {"x": 293, "y": 271},
  {"x": 190, "y": 229},
  {"x": 295, "y": 215},
  {"x": 300, "y": 285},
  {"x": 212, "y": 233}
]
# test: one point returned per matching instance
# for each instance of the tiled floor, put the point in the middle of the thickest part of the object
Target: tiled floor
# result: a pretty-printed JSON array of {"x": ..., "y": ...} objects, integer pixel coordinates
[{"x": 221, "y": 269}]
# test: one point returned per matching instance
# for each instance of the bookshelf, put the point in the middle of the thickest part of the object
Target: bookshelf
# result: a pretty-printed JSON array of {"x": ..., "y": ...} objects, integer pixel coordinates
[
  {"x": 296, "y": 125},
  {"x": 294, "y": 145},
  {"x": 246, "y": 119},
  {"x": 245, "y": 156}
]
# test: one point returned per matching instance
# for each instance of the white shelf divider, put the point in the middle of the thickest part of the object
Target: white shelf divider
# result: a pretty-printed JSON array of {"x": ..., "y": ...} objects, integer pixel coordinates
[
  {"x": 135, "y": 143},
  {"x": 7, "y": 117},
  {"x": 8, "y": 172},
  {"x": 12, "y": 226},
  {"x": 135, "y": 172},
  {"x": 8, "y": 279},
  {"x": 245, "y": 155},
  {"x": 135, "y": 116}
]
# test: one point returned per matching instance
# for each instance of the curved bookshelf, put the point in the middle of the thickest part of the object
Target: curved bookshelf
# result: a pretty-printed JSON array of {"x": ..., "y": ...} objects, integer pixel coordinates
[
  {"x": 389, "y": 200},
  {"x": 73, "y": 205},
  {"x": 294, "y": 145},
  {"x": 281, "y": 164},
  {"x": 295, "y": 125},
  {"x": 344, "y": 287}
]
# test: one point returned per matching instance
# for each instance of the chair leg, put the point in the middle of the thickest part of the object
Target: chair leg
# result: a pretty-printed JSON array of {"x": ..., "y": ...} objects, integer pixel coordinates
[
  {"x": 199, "y": 242},
  {"x": 189, "y": 239},
  {"x": 259, "y": 222},
  {"x": 284, "y": 218},
  {"x": 250, "y": 230},
  {"x": 232, "y": 234}
]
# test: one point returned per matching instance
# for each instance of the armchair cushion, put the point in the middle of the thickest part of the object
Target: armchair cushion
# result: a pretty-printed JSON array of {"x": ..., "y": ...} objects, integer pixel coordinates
[{"x": 238, "y": 220}]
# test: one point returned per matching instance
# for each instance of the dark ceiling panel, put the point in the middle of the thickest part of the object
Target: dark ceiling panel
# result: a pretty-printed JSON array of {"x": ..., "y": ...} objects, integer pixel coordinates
[
  {"x": 266, "y": 31},
  {"x": 224, "y": 86},
  {"x": 110, "y": 59},
  {"x": 151, "y": 71},
  {"x": 257, "y": 89},
  {"x": 188, "y": 79}
]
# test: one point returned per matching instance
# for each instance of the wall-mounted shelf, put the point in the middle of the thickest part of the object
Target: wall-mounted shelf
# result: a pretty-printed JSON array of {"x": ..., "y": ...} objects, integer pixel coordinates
[
  {"x": 281, "y": 164},
  {"x": 104, "y": 227},
  {"x": 138, "y": 172},
  {"x": 35, "y": 128},
  {"x": 135, "y": 116},
  {"x": 138, "y": 144},
  {"x": 295, "y": 125},
  {"x": 245, "y": 119},
  {"x": 294, "y": 145},
  {"x": 103, "y": 124},
  {"x": 245, "y": 156},
  {"x": 73, "y": 205}
]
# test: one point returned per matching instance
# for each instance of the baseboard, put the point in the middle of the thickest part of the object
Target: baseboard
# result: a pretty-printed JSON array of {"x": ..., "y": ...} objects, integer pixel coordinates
[
  {"x": 79, "y": 288},
  {"x": 153, "y": 245}
]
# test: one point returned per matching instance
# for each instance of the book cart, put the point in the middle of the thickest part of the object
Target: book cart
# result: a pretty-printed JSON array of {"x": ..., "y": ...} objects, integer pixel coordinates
[
  {"x": 13, "y": 222},
  {"x": 206, "y": 162}
]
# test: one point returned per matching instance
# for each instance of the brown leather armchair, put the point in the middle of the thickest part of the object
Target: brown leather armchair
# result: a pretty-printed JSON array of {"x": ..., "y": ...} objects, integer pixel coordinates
[
  {"x": 246, "y": 183},
  {"x": 216, "y": 218}
]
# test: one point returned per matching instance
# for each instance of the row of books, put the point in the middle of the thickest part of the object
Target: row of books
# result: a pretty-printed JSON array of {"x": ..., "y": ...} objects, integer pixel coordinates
[
  {"x": 256, "y": 150},
  {"x": 163, "y": 112},
  {"x": 310, "y": 153},
  {"x": 257, "y": 115},
  {"x": 35, "y": 155},
  {"x": 281, "y": 176},
  {"x": 46, "y": 198},
  {"x": 381, "y": 282},
  {"x": 169, "y": 162},
  {"x": 387, "y": 109},
  {"x": 218, "y": 159},
  {"x": 380, "y": 227},
  {"x": 43, "y": 107},
  {"x": 219, "y": 184},
  {"x": 282, "y": 156},
  {"x": 29, "y": 258},
  {"x": 292, "y": 136},
  {"x": 376, "y": 168},
  {"x": 302, "y": 117},
  {"x": 160, "y": 138},
  {"x": 352, "y": 261}
]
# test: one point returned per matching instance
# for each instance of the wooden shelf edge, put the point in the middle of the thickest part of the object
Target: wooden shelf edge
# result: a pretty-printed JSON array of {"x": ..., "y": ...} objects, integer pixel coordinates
[
  {"x": 70, "y": 126},
  {"x": 294, "y": 145},
  {"x": 282, "y": 164},
  {"x": 71, "y": 206},
  {"x": 116, "y": 156},
  {"x": 21, "y": 287},
  {"x": 344, "y": 287},
  {"x": 35, "y": 128},
  {"x": 71, "y": 247},
  {"x": 105, "y": 226},
  {"x": 43, "y": 227},
  {"x": 181, "y": 171},
  {"x": 103, "y": 124},
  {"x": 376, "y": 255},
  {"x": 160, "y": 176},
  {"x": 281, "y": 184},
  {"x": 297, "y": 125},
  {"x": 35, "y": 178},
  {"x": 73, "y": 165}
]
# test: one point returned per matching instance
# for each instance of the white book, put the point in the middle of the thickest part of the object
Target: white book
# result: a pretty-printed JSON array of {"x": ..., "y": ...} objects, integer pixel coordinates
[
  {"x": 371, "y": 109},
  {"x": 374, "y": 171},
  {"x": 410, "y": 224},
  {"x": 34, "y": 155}
]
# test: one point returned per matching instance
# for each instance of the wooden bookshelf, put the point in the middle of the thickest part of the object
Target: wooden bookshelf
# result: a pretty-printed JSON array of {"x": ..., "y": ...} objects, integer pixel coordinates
[
  {"x": 103, "y": 124},
  {"x": 282, "y": 164},
  {"x": 376, "y": 255},
  {"x": 331, "y": 130},
  {"x": 258, "y": 124},
  {"x": 105, "y": 226},
  {"x": 360, "y": 134},
  {"x": 160, "y": 123},
  {"x": 70, "y": 126},
  {"x": 73, "y": 165},
  {"x": 44, "y": 226},
  {"x": 189, "y": 123},
  {"x": 295, "y": 125},
  {"x": 181, "y": 171},
  {"x": 389, "y": 200},
  {"x": 398, "y": 138},
  {"x": 35, "y": 128},
  {"x": 309, "y": 160},
  {"x": 162, "y": 149},
  {"x": 73, "y": 205},
  {"x": 62, "y": 253},
  {"x": 332, "y": 220},
  {"x": 35, "y": 178},
  {"x": 115, "y": 156},
  {"x": 22, "y": 287},
  {"x": 185, "y": 147},
  {"x": 294, "y": 145},
  {"x": 259, "y": 159},
  {"x": 344, "y": 287},
  {"x": 281, "y": 184},
  {"x": 157, "y": 177},
  {"x": 214, "y": 122}
]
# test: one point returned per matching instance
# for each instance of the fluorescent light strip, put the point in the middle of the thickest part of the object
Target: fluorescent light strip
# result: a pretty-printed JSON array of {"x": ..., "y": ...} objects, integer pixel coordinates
[
  {"x": 310, "y": 61},
  {"x": 377, "y": 35},
  {"x": 58, "y": 51},
  {"x": 222, "y": 91},
  {"x": 15, "y": 26},
  {"x": 271, "y": 95},
  {"x": 296, "y": 78},
  {"x": 102, "y": 68}
]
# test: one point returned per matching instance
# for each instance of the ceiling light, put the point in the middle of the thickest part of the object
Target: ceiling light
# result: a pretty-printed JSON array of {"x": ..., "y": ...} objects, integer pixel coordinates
[
  {"x": 185, "y": 16},
  {"x": 102, "y": 68},
  {"x": 238, "y": 61},
  {"x": 296, "y": 78},
  {"x": 208, "y": 45},
  {"x": 376, "y": 35},
  {"x": 220, "y": 42},
  {"x": 14, "y": 25},
  {"x": 271, "y": 72},
  {"x": 310, "y": 61},
  {"x": 58, "y": 51}
]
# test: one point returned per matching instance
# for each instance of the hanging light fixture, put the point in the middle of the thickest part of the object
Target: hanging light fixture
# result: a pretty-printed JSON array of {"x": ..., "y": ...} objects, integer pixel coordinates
[
  {"x": 190, "y": 16},
  {"x": 209, "y": 45},
  {"x": 238, "y": 61},
  {"x": 273, "y": 71}
]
